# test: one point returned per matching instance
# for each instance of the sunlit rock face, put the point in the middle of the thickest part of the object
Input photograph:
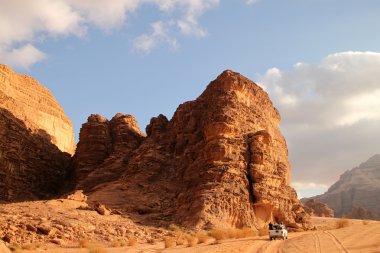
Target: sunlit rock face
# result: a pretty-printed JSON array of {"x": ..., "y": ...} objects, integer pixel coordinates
[
  {"x": 221, "y": 161},
  {"x": 33, "y": 104},
  {"x": 36, "y": 140},
  {"x": 357, "y": 192}
]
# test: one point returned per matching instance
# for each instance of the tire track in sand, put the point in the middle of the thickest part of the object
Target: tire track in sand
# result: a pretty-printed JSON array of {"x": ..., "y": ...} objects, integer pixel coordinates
[
  {"x": 317, "y": 242},
  {"x": 337, "y": 242}
]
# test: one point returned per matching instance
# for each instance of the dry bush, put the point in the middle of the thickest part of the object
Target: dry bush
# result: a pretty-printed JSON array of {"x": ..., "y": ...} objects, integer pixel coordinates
[
  {"x": 29, "y": 246},
  {"x": 180, "y": 240},
  {"x": 247, "y": 232},
  {"x": 97, "y": 249},
  {"x": 191, "y": 241},
  {"x": 150, "y": 241},
  {"x": 132, "y": 241},
  {"x": 84, "y": 243},
  {"x": 263, "y": 231},
  {"x": 342, "y": 223},
  {"x": 202, "y": 237},
  {"x": 169, "y": 242},
  {"x": 175, "y": 228},
  {"x": 232, "y": 233},
  {"x": 18, "y": 251},
  {"x": 116, "y": 243},
  {"x": 365, "y": 222},
  {"x": 218, "y": 234}
]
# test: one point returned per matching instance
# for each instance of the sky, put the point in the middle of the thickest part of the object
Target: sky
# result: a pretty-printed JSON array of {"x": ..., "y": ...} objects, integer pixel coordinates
[{"x": 319, "y": 60}]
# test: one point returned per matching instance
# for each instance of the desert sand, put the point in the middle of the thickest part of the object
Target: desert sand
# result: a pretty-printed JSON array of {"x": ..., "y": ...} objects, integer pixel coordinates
[{"x": 358, "y": 237}]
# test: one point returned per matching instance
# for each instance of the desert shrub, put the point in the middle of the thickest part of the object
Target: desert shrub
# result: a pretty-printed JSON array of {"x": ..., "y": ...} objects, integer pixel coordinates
[
  {"x": 150, "y": 241},
  {"x": 175, "y": 228},
  {"x": 132, "y": 241},
  {"x": 84, "y": 243},
  {"x": 169, "y": 242},
  {"x": 191, "y": 241},
  {"x": 247, "y": 232},
  {"x": 342, "y": 223},
  {"x": 97, "y": 249},
  {"x": 365, "y": 222},
  {"x": 232, "y": 233},
  {"x": 202, "y": 237},
  {"x": 218, "y": 234},
  {"x": 263, "y": 231},
  {"x": 119, "y": 242},
  {"x": 29, "y": 246},
  {"x": 180, "y": 240}
]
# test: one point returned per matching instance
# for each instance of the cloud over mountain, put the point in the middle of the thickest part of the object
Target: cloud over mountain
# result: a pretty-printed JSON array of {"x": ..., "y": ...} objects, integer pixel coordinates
[{"x": 330, "y": 113}]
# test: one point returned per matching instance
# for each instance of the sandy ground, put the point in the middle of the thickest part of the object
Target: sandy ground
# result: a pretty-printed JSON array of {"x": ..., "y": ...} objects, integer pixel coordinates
[{"x": 357, "y": 237}]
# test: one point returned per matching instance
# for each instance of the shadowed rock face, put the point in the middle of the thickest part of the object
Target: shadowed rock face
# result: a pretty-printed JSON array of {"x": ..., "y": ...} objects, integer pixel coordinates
[
  {"x": 220, "y": 161},
  {"x": 33, "y": 104},
  {"x": 357, "y": 191},
  {"x": 31, "y": 167},
  {"x": 36, "y": 140}
]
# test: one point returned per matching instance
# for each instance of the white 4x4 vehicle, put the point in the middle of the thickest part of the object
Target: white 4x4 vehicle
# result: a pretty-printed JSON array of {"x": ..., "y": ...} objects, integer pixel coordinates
[{"x": 278, "y": 231}]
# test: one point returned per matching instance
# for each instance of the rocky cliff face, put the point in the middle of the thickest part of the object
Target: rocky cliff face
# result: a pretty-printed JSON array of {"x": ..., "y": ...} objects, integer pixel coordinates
[
  {"x": 31, "y": 125},
  {"x": 220, "y": 161},
  {"x": 319, "y": 209},
  {"x": 356, "y": 192},
  {"x": 33, "y": 104}
]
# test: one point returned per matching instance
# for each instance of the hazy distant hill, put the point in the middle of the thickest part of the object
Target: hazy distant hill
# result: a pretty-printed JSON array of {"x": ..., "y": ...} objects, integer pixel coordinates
[{"x": 357, "y": 192}]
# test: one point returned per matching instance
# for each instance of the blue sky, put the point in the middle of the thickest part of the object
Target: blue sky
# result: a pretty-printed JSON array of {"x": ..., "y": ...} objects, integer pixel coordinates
[{"x": 318, "y": 59}]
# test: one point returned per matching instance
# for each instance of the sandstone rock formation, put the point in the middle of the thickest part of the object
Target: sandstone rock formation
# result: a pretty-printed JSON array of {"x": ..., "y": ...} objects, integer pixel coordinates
[
  {"x": 356, "y": 190},
  {"x": 31, "y": 125},
  {"x": 220, "y": 161},
  {"x": 32, "y": 103},
  {"x": 316, "y": 208}
]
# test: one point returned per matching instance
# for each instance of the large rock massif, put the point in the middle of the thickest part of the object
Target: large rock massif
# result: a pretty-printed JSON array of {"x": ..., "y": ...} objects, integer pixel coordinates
[
  {"x": 34, "y": 132},
  {"x": 316, "y": 208},
  {"x": 221, "y": 161},
  {"x": 32, "y": 103},
  {"x": 357, "y": 192}
]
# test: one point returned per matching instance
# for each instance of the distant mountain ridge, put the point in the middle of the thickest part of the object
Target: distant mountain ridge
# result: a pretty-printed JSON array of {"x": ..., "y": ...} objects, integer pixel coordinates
[{"x": 357, "y": 192}]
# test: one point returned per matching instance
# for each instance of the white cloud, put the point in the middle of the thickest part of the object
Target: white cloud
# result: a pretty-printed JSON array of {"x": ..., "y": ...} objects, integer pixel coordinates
[
  {"x": 308, "y": 185},
  {"x": 330, "y": 113},
  {"x": 23, "y": 24},
  {"x": 160, "y": 34},
  {"x": 249, "y": 2},
  {"x": 24, "y": 57}
]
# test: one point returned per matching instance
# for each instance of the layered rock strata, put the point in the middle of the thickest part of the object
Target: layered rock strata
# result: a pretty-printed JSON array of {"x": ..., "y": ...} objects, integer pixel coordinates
[
  {"x": 357, "y": 192},
  {"x": 34, "y": 133},
  {"x": 33, "y": 104},
  {"x": 221, "y": 161}
]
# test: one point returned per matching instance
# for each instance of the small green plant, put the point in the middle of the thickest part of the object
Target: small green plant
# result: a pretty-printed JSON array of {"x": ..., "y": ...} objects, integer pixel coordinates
[{"x": 175, "y": 228}]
